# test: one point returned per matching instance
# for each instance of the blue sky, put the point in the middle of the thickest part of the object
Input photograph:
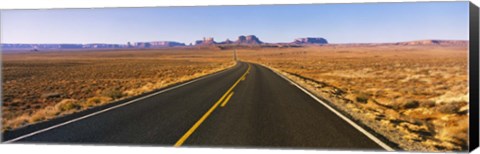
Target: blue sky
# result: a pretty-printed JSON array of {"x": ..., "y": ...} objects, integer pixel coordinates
[{"x": 338, "y": 23}]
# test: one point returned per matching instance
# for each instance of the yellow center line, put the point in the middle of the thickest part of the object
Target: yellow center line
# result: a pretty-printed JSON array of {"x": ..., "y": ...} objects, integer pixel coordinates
[
  {"x": 205, "y": 116},
  {"x": 226, "y": 100}
]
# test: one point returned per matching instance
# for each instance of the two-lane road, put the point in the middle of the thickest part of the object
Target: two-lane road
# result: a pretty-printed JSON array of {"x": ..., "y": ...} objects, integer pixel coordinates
[{"x": 245, "y": 106}]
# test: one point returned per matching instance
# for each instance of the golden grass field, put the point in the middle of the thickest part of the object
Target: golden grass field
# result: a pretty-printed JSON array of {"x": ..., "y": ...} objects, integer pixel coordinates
[
  {"x": 416, "y": 96},
  {"x": 44, "y": 85}
]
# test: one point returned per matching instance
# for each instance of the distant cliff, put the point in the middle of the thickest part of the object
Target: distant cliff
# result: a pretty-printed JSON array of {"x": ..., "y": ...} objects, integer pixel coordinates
[
  {"x": 434, "y": 42},
  {"x": 38, "y": 47},
  {"x": 206, "y": 41},
  {"x": 242, "y": 40},
  {"x": 158, "y": 44},
  {"x": 310, "y": 40},
  {"x": 41, "y": 46},
  {"x": 249, "y": 39}
]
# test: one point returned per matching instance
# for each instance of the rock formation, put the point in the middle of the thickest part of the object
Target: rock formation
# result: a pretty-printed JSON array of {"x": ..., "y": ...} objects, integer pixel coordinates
[
  {"x": 165, "y": 44},
  {"x": 310, "y": 40},
  {"x": 206, "y": 41},
  {"x": 434, "y": 42},
  {"x": 226, "y": 42},
  {"x": 249, "y": 39}
]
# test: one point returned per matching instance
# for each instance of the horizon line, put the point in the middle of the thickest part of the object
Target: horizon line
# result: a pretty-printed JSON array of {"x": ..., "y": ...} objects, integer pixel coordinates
[{"x": 186, "y": 44}]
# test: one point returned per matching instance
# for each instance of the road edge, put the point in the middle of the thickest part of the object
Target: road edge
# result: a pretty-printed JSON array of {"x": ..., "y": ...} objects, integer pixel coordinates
[{"x": 377, "y": 138}]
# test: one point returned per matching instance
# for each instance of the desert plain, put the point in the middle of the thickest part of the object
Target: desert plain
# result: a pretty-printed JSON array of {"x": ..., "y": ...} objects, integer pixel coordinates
[
  {"x": 43, "y": 85},
  {"x": 414, "y": 95}
]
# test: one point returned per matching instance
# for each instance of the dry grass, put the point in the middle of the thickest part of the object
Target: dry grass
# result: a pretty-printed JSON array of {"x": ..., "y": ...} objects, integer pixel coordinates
[
  {"x": 416, "y": 96},
  {"x": 41, "y": 86}
]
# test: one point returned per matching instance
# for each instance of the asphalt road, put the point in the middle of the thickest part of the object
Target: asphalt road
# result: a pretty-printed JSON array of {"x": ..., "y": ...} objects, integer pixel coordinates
[{"x": 245, "y": 106}]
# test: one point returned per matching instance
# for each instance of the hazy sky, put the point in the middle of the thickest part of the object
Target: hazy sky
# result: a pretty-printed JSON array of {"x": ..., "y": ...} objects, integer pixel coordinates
[{"x": 338, "y": 23}]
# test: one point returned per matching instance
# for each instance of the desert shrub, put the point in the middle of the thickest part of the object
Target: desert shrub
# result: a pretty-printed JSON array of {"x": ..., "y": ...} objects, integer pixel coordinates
[
  {"x": 362, "y": 98},
  {"x": 113, "y": 93},
  {"x": 16, "y": 122},
  {"x": 337, "y": 91},
  {"x": 94, "y": 101},
  {"x": 427, "y": 104},
  {"x": 67, "y": 104},
  {"x": 449, "y": 108},
  {"x": 410, "y": 104},
  {"x": 45, "y": 113},
  {"x": 37, "y": 117}
]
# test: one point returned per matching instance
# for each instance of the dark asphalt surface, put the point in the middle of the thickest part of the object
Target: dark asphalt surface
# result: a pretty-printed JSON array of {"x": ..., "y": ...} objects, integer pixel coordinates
[{"x": 264, "y": 111}]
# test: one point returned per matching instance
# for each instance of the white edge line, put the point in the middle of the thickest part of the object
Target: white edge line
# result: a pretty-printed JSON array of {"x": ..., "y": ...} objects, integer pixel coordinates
[
  {"x": 104, "y": 110},
  {"x": 366, "y": 133}
]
